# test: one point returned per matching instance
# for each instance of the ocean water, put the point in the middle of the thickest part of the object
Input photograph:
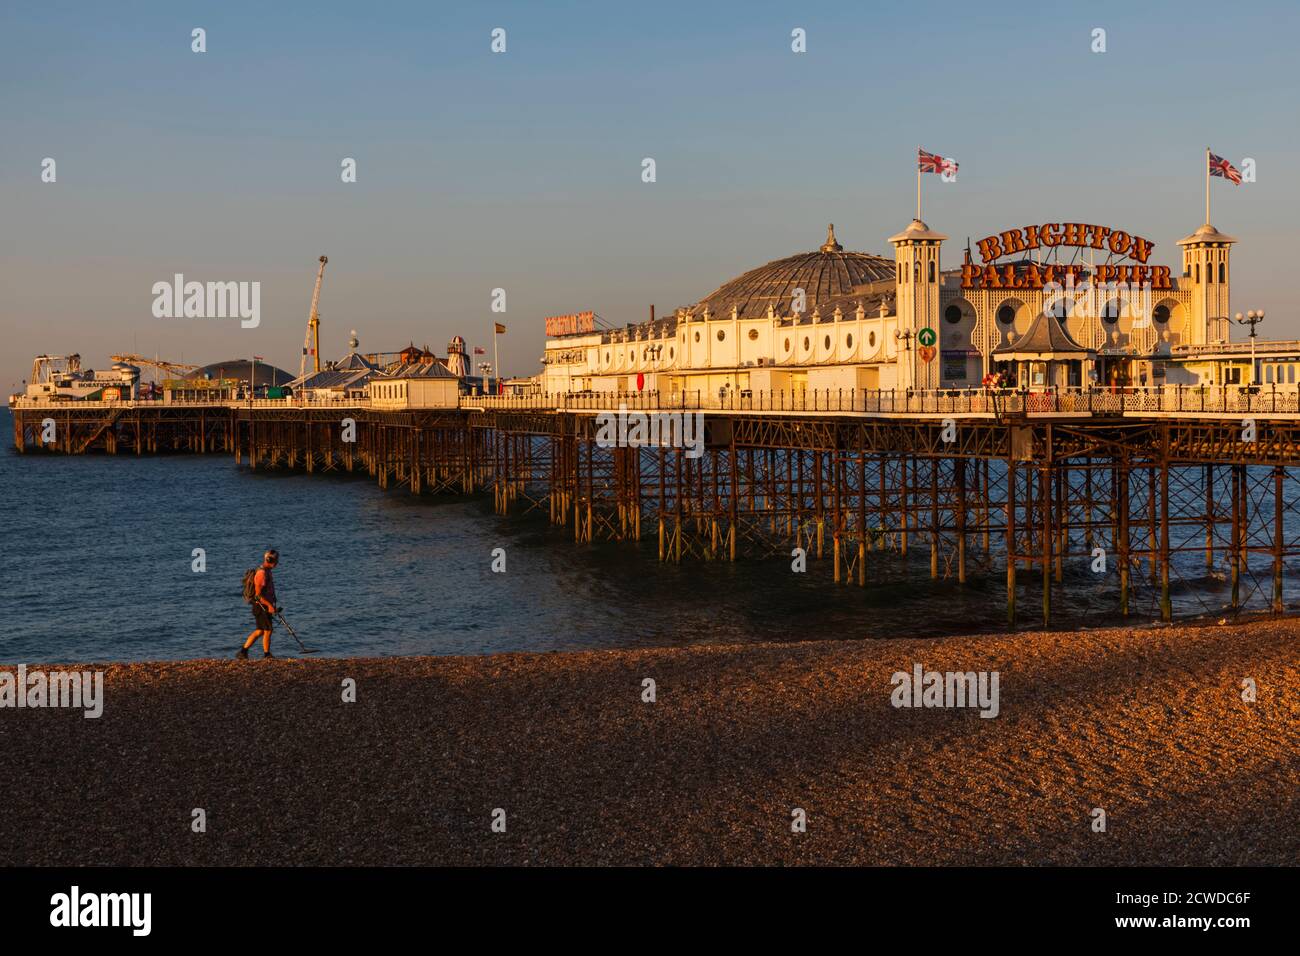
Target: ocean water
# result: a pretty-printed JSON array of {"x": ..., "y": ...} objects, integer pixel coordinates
[{"x": 96, "y": 564}]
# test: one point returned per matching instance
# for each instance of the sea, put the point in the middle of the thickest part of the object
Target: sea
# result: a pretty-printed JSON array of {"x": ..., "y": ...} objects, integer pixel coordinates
[{"x": 125, "y": 558}]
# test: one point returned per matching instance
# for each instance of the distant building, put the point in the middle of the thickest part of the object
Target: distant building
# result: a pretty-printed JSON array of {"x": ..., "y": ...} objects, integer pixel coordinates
[
  {"x": 1274, "y": 363},
  {"x": 241, "y": 370},
  {"x": 457, "y": 361},
  {"x": 413, "y": 355},
  {"x": 340, "y": 381},
  {"x": 519, "y": 387},
  {"x": 414, "y": 385}
]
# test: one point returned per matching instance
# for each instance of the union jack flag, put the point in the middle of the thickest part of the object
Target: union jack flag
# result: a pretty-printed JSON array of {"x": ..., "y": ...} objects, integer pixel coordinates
[
  {"x": 931, "y": 163},
  {"x": 1221, "y": 167}
]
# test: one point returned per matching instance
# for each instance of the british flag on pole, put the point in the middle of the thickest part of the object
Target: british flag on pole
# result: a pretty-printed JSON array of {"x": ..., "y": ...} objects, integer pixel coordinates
[
  {"x": 932, "y": 163},
  {"x": 1224, "y": 169}
]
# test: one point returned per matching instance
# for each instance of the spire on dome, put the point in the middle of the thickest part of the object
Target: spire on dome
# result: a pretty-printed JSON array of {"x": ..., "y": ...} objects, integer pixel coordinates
[{"x": 831, "y": 245}]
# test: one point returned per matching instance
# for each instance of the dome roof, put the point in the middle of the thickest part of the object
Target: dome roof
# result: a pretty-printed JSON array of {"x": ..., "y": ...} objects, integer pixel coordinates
[
  {"x": 240, "y": 369},
  {"x": 829, "y": 273},
  {"x": 1206, "y": 233}
]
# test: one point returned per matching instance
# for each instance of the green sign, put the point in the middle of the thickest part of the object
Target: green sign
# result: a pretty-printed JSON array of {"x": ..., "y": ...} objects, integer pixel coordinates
[{"x": 925, "y": 336}]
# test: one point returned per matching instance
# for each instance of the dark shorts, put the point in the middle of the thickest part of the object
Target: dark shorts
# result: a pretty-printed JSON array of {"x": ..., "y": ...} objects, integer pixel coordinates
[{"x": 262, "y": 617}]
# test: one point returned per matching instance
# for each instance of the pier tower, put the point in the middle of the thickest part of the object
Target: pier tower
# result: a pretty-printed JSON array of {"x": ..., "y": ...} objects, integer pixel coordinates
[
  {"x": 916, "y": 253},
  {"x": 1207, "y": 273}
]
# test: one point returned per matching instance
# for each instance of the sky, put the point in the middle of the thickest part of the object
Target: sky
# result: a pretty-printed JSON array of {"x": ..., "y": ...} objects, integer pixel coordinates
[{"x": 522, "y": 170}]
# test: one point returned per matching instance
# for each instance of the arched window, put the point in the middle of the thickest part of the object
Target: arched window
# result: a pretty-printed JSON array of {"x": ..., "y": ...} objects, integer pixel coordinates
[
  {"x": 1196, "y": 273},
  {"x": 899, "y": 270},
  {"x": 916, "y": 272},
  {"x": 932, "y": 270},
  {"x": 1222, "y": 271}
]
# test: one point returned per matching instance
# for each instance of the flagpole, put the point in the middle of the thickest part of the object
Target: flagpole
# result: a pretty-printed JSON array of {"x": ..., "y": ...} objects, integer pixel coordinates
[
  {"x": 495, "y": 367},
  {"x": 918, "y": 183},
  {"x": 1207, "y": 185}
]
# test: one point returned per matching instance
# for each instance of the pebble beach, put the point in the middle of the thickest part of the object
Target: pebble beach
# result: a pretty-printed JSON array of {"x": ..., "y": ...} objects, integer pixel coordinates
[{"x": 1148, "y": 725}]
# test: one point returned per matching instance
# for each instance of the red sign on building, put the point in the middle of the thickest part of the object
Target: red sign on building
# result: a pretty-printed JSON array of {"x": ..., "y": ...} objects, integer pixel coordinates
[{"x": 572, "y": 324}]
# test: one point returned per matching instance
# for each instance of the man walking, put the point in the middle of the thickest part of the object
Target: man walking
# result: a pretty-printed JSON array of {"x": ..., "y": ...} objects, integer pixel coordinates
[{"x": 259, "y": 591}]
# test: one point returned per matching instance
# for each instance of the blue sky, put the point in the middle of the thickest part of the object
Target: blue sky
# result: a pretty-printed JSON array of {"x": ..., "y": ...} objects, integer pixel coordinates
[{"x": 522, "y": 170}]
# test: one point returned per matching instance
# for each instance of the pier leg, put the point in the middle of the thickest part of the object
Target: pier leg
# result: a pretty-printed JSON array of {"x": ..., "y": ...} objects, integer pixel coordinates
[
  {"x": 1011, "y": 542},
  {"x": 934, "y": 519},
  {"x": 1209, "y": 516},
  {"x": 1121, "y": 505},
  {"x": 1237, "y": 485},
  {"x": 1166, "y": 604},
  {"x": 1045, "y": 492},
  {"x": 960, "y": 465},
  {"x": 1278, "y": 532}
]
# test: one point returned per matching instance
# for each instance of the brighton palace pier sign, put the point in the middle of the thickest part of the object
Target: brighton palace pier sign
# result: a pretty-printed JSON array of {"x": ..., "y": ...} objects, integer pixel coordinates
[{"x": 1053, "y": 235}]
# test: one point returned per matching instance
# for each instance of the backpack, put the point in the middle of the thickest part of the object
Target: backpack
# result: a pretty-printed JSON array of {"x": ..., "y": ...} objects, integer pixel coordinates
[{"x": 250, "y": 585}]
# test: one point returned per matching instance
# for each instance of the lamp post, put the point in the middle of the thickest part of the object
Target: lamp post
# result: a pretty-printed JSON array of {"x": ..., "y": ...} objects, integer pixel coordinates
[
  {"x": 1252, "y": 318},
  {"x": 904, "y": 338}
]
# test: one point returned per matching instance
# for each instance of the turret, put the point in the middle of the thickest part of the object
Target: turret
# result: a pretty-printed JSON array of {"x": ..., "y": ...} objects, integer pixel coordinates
[
  {"x": 916, "y": 253},
  {"x": 1207, "y": 273}
]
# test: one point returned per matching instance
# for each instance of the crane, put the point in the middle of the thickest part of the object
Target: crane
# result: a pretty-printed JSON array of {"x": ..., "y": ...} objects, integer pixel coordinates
[
  {"x": 157, "y": 363},
  {"x": 312, "y": 339}
]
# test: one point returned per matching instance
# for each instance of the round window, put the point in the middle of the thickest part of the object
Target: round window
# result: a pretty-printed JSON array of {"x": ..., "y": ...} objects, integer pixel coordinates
[
  {"x": 787, "y": 345},
  {"x": 871, "y": 339},
  {"x": 953, "y": 314},
  {"x": 807, "y": 344},
  {"x": 1006, "y": 315},
  {"x": 827, "y": 342},
  {"x": 848, "y": 341},
  {"x": 721, "y": 335},
  {"x": 753, "y": 335},
  {"x": 1161, "y": 314},
  {"x": 697, "y": 336},
  {"x": 1110, "y": 312}
]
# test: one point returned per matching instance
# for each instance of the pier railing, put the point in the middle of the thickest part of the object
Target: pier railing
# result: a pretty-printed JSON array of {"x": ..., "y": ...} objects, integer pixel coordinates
[
  {"x": 1168, "y": 399},
  {"x": 1269, "y": 399}
]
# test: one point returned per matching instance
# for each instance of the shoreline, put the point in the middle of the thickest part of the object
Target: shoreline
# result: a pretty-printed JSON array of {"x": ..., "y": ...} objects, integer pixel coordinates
[{"x": 1147, "y": 723}]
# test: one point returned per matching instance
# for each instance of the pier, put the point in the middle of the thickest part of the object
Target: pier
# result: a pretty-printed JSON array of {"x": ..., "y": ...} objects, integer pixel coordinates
[{"x": 1143, "y": 483}]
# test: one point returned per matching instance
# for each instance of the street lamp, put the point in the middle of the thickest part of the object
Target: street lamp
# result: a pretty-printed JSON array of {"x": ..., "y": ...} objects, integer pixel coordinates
[{"x": 1252, "y": 318}]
